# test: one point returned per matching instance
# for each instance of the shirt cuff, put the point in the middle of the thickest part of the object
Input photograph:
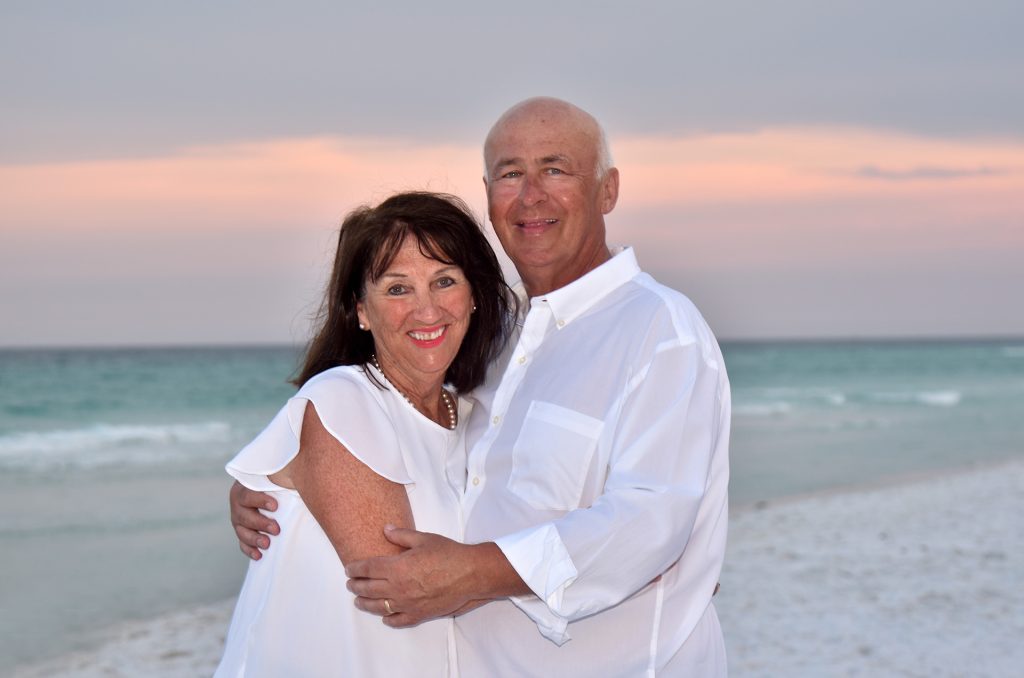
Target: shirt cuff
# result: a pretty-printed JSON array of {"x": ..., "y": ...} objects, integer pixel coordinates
[{"x": 540, "y": 558}]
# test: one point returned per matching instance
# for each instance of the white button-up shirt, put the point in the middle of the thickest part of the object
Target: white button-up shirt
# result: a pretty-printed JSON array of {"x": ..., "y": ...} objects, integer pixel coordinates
[{"x": 598, "y": 463}]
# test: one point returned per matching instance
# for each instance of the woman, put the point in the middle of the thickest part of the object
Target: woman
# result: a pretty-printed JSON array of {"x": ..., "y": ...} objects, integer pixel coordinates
[{"x": 416, "y": 300}]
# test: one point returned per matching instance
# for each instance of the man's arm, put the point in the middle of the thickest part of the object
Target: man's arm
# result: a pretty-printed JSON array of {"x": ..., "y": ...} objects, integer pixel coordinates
[
  {"x": 252, "y": 528},
  {"x": 435, "y": 577},
  {"x": 664, "y": 500},
  {"x": 592, "y": 558}
]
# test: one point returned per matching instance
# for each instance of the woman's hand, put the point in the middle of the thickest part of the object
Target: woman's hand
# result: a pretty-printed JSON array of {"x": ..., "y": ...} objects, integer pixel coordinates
[{"x": 252, "y": 527}]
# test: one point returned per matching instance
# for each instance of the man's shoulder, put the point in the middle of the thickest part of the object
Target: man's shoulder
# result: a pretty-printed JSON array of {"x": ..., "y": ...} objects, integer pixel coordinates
[
  {"x": 662, "y": 315},
  {"x": 644, "y": 294}
]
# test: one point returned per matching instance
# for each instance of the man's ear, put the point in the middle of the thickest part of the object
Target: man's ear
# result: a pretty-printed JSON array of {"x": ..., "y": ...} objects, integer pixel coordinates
[{"x": 609, "y": 190}]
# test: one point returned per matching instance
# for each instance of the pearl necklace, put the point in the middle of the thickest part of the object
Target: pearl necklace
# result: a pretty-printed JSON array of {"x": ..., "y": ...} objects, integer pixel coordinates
[{"x": 446, "y": 398}]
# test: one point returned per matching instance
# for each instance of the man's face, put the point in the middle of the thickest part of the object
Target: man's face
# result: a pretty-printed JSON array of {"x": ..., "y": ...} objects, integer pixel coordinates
[{"x": 545, "y": 200}]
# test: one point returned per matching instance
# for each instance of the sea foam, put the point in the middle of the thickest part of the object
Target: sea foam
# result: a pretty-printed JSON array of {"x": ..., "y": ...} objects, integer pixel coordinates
[
  {"x": 942, "y": 398},
  {"x": 107, "y": 444}
]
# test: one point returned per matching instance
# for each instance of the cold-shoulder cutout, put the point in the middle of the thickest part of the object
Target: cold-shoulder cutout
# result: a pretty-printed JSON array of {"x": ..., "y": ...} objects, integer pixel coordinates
[{"x": 350, "y": 408}]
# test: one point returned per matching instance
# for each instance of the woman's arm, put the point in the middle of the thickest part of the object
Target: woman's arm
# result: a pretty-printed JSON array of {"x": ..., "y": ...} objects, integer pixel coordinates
[{"x": 351, "y": 502}]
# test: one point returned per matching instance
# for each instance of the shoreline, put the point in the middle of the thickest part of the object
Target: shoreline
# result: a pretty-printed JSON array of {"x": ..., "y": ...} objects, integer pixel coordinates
[
  {"x": 918, "y": 575},
  {"x": 898, "y": 480}
]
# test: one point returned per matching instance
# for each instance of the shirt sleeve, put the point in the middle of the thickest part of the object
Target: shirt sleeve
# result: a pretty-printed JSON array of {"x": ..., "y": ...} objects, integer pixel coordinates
[
  {"x": 665, "y": 436},
  {"x": 348, "y": 411}
]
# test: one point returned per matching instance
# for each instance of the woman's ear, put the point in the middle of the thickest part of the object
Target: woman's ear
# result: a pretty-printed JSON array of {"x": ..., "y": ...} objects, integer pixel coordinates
[{"x": 364, "y": 324}]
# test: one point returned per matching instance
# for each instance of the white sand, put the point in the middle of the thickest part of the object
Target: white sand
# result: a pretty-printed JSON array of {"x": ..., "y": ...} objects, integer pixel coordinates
[{"x": 921, "y": 579}]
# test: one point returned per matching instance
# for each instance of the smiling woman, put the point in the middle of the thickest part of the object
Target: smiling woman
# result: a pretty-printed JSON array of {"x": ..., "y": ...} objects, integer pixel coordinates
[{"x": 416, "y": 300}]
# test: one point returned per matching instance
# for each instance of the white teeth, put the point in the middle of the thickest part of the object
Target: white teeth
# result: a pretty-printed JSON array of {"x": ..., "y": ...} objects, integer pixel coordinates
[
  {"x": 427, "y": 336},
  {"x": 550, "y": 221}
]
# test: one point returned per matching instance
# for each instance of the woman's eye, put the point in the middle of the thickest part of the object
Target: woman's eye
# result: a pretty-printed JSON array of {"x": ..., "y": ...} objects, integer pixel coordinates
[
  {"x": 445, "y": 282},
  {"x": 396, "y": 290}
]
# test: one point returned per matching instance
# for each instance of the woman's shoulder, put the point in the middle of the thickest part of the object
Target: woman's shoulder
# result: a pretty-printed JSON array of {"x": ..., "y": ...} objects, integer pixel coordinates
[
  {"x": 343, "y": 380},
  {"x": 344, "y": 398},
  {"x": 352, "y": 410}
]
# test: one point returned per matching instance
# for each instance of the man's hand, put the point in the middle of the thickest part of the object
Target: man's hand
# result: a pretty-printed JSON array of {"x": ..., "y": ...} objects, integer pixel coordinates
[
  {"x": 252, "y": 527},
  {"x": 435, "y": 577}
]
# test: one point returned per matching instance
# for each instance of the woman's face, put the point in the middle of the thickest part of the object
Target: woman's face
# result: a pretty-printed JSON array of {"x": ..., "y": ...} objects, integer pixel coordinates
[{"x": 418, "y": 312}]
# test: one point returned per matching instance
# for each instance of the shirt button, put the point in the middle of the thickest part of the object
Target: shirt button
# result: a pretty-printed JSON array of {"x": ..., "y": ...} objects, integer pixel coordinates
[
  {"x": 496, "y": 420},
  {"x": 561, "y": 323},
  {"x": 522, "y": 359},
  {"x": 476, "y": 481}
]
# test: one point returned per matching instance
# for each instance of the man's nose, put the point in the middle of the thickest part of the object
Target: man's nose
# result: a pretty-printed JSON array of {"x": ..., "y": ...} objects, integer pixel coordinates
[{"x": 532, "y": 191}]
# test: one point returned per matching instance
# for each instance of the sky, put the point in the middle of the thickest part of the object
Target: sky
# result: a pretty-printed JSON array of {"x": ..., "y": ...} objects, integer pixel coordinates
[{"x": 174, "y": 173}]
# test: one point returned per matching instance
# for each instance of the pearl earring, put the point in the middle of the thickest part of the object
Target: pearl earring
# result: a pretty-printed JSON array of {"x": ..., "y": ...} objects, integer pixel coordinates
[{"x": 362, "y": 326}]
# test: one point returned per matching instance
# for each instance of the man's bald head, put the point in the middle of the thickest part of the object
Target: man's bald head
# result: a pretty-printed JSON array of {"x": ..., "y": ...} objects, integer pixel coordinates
[
  {"x": 550, "y": 109},
  {"x": 549, "y": 184}
]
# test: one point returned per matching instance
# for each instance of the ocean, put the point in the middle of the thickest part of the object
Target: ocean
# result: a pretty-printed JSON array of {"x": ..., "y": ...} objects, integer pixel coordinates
[{"x": 114, "y": 499}]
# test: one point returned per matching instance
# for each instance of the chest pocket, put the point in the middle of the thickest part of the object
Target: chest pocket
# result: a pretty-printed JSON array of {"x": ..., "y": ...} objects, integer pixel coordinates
[{"x": 552, "y": 456}]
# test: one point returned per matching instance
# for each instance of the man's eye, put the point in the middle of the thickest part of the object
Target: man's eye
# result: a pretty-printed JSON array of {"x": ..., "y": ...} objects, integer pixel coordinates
[
  {"x": 554, "y": 170},
  {"x": 514, "y": 174}
]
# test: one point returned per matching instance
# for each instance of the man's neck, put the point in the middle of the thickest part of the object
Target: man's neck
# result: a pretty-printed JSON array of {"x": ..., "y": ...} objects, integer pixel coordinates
[{"x": 539, "y": 282}]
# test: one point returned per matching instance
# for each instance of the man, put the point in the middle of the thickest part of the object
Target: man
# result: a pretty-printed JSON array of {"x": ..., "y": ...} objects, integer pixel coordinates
[{"x": 595, "y": 506}]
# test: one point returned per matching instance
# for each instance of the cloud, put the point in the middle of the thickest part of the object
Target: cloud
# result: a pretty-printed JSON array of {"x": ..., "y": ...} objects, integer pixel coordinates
[
  {"x": 123, "y": 80},
  {"x": 230, "y": 241},
  {"x": 926, "y": 172}
]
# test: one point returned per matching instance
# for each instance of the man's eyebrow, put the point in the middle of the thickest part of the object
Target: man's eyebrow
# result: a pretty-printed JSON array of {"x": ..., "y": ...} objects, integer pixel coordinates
[
  {"x": 554, "y": 158},
  {"x": 505, "y": 162}
]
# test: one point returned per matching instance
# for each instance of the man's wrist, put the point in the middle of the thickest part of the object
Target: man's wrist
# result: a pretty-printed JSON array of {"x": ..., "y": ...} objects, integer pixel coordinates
[{"x": 494, "y": 576}]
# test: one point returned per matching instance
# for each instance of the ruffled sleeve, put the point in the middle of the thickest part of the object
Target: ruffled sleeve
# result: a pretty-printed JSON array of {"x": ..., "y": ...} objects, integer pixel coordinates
[{"x": 350, "y": 411}]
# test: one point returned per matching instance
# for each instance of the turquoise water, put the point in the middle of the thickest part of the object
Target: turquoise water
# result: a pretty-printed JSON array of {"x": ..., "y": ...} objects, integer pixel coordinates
[{"x": 114, "y": 497}]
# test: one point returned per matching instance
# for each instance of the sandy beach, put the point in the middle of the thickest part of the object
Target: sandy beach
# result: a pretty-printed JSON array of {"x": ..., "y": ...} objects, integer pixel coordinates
[{"x": 924, "y": 578}]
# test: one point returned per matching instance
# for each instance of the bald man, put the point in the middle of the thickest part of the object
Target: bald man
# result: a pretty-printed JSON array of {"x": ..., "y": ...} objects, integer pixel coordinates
[{"x": 595, "y": 505}]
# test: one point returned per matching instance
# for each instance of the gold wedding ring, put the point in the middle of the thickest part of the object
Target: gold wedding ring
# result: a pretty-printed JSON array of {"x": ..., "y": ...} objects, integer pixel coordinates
[{"x": 387, "y": 607}]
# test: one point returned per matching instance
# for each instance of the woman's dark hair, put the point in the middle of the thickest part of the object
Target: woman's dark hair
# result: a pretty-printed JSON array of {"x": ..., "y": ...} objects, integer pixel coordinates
[{"x": 368, "y": 243}]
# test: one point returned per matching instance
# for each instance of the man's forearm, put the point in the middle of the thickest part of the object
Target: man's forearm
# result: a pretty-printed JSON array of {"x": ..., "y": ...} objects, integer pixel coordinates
[{"x": 492, "y": 576}]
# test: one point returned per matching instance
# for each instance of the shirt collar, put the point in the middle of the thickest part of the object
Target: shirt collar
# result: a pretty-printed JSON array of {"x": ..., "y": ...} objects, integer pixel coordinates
[{"x": 571, "y": 301}]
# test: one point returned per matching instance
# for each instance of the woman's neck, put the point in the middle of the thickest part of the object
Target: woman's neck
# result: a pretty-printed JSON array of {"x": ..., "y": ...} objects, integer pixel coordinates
[{"x": 425, "y": 394}]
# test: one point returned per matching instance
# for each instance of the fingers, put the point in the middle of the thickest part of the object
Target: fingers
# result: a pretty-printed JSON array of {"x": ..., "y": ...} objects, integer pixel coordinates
[
  {"x": 254, "y": 554},
  {"x": 387, "y": 610},
  {"x": 251, "y": 538},
  {"x": 249, "y": 523},
  {"x": 377, "y": 606},
  {"x": 370, "y": 568},
  {"x": 243, "y": 497},
  {"x": 375, "y": 589},
  {"x": 406, "y": 538},
  {"x": 251, "y": 519},
  {"x": 401, "y": 620},
  {"x": 245, "y": 516}
]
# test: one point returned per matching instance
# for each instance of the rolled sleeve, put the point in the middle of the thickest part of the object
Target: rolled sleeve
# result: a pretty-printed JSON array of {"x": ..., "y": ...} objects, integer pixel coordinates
[
  {"x": 593, "y": 558},
  {"x": 541, "y": 559},
  {"x": 655, "y": 490}
]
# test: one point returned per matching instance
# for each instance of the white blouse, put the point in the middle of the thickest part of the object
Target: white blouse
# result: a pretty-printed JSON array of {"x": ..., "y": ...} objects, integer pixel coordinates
[{"x": 294, "y": 616}]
